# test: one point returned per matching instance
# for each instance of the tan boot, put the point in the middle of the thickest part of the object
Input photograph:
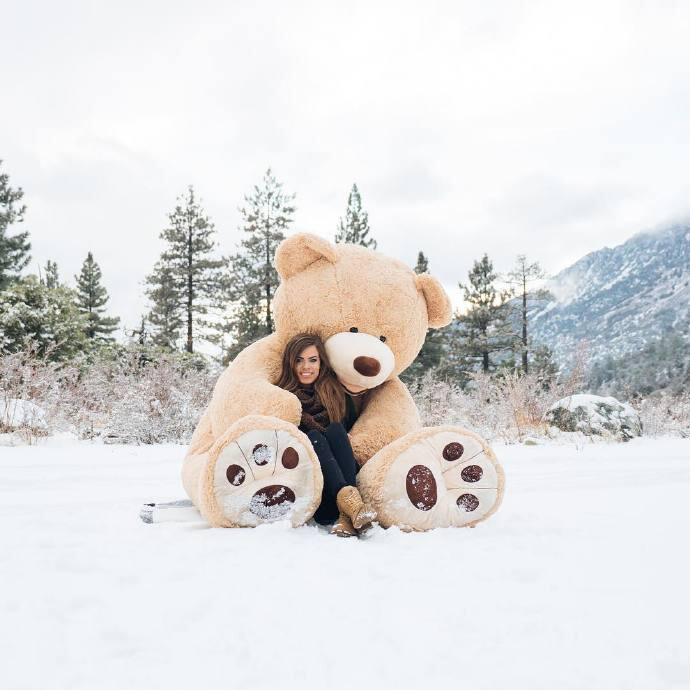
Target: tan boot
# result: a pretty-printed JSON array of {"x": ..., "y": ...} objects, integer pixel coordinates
[
  {"x": 349, "y": 501},
  {"x": 343, "y": 527}
]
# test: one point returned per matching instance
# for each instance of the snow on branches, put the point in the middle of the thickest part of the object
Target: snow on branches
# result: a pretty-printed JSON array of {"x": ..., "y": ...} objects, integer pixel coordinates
[{"x": 121, "y": 394}]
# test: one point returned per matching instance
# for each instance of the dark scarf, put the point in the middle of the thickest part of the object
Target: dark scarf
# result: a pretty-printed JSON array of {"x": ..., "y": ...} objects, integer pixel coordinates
[{"x": 314, "y": 414}]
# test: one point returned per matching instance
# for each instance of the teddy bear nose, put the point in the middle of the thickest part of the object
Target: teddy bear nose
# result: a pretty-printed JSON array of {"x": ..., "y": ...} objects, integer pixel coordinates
[{"x": 367, "y": 366}]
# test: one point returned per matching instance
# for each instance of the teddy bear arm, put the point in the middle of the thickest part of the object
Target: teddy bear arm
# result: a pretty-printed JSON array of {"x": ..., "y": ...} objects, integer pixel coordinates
[
  {"x": 254, "y": 398},
  {"x": 390, "y": 413},
  {"x": 245, "y": 388}
]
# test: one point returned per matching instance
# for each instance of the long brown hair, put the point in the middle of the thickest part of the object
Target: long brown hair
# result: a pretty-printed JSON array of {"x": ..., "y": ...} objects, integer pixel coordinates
[{"x": 326, "y": 385}]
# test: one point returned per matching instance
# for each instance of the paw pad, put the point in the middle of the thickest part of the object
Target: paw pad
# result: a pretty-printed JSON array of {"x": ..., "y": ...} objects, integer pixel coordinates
[
  {"x": 472, "y": 473},
  {"x": 453, "y": 451},
  {"x": 261, "y": 454},
  {"x": 290, "y": 458},
  {"x": 272, "y": 502},
  {"x": 235, "y": 475},
  {"x": 421, "y": 487},
  {"x": 468, "y": 502}
]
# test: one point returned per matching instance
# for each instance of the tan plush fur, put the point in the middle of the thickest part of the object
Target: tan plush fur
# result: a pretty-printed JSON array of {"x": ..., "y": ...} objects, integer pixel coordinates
[{"x": 325, "y": 289}]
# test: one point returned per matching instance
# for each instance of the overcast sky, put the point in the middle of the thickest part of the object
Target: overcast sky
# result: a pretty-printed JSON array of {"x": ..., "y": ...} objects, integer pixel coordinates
[{"x": 546, "y": 128}]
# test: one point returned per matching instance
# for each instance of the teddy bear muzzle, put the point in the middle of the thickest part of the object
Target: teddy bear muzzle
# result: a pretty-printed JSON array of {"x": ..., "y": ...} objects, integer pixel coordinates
[{"x": 360, "y": 359}]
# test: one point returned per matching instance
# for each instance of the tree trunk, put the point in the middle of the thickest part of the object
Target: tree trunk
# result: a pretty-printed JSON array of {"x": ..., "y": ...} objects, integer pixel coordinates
[
  {"x": 269, "y": 320},
  {"x": 524, "y": 324},
  {"x": 89, "y": 331},
  {"x": 190, "y": 340}
]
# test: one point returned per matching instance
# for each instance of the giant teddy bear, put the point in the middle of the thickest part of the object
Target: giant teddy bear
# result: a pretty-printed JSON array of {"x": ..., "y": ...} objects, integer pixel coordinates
[{"x": 248, "y": 463}]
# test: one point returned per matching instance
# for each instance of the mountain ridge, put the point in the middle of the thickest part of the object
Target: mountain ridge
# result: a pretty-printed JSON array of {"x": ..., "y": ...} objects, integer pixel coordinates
[{"x": 620, "y": 298}]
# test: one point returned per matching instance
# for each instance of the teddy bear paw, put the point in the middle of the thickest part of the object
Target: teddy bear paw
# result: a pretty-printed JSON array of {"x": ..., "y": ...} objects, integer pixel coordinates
[
  {"x": 436, "y": 477},
  {"x": 264, "y": 475}
]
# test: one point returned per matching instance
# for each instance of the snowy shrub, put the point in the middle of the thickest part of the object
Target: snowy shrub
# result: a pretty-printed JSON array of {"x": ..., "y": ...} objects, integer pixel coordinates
[
  {"x": 133, "y": 394},
  {"x": 24, "y": 418},
  {"x": 126, "y": 394},
  {"x": 28, "y": 381},
  {"x": 439, "y": 402},
  {"x": 508, "y": 407},
  {"x": 164, "y": 402},
  {"x": 665, "y": 414}
]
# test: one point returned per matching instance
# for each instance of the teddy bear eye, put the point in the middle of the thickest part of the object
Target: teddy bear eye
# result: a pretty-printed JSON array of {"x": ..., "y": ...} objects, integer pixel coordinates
[
  {"x": 382, "y": 338},
  {"x": 354, "y": 329}
]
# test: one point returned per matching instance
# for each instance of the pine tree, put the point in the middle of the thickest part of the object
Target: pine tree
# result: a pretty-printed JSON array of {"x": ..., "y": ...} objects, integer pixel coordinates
[
  {"x": 432, "y": 351},
  {"x": 52, "y": 279},
  {"x": 521, "y": 276},
  {"x": 484, "y": 327},
  {"x": 422, "y": 264},
  {"x": 47, "y": 316},
  {"x": 544, "y": 366},
  {"x": 140, "y": 335},
  {"x": 166, "y": 313},
  {"x": 457, "y": 361},
  {"x": 14, "y": 249},
  {"x": 244, "y": 322},
  {"x": 253, "y": 280},
  {"x": 355, "y": 228},
  {"x": 188, "y": 261},
  {"x": 91, "y": 298}
]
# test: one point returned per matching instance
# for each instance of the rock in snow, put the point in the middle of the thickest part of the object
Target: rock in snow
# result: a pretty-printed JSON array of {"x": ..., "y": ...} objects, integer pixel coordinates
[
  {"x": 595, "y": 415},
  {"x": 17, "y": 414}
]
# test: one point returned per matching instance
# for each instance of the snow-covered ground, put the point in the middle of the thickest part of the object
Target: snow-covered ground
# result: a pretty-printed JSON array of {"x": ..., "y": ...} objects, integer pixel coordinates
[{"x": 580, "y": 581}]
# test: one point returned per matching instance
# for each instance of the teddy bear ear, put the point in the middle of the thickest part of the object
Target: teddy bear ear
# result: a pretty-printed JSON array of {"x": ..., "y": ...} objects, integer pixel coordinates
[
  {"x": 299, "y": 251},
  {"x": 438, "y": 306}
]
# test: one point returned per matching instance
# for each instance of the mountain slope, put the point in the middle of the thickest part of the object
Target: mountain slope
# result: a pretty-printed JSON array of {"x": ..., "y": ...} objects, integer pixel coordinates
[{"x": 620, "y": 299}]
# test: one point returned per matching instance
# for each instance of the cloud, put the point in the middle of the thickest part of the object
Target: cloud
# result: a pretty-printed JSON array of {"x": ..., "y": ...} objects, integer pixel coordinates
[
  {"x": 549, "y": 129},
  {"x": 408, "y": 183},
  {"x": 544, "y": 203}
]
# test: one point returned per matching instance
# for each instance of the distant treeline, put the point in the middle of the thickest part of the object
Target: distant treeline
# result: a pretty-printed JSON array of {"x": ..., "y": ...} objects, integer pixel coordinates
[{"x": 197, "y": 295}]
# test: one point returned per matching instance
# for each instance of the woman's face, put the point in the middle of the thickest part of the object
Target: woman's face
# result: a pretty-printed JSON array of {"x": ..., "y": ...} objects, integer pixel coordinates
[{"x": 308, "y": 365}]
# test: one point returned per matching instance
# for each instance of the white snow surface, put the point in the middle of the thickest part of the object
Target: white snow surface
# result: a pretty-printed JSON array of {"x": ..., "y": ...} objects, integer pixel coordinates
[{"x": 579, "y": 581}]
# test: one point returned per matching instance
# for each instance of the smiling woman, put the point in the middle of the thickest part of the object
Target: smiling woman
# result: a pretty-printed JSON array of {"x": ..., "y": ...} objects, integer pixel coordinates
[
  {"x": 306, "y": 373},
  {"x": 308, "y": 365},
  {"x": 305, "y": 365}
]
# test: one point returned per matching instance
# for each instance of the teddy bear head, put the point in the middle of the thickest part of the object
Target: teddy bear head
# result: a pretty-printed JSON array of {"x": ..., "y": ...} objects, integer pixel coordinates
[{"x": 371, "y": 311}]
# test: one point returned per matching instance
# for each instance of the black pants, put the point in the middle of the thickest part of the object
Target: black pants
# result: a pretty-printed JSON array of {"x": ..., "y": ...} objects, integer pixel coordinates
[{"x": 338, "y": 466}]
